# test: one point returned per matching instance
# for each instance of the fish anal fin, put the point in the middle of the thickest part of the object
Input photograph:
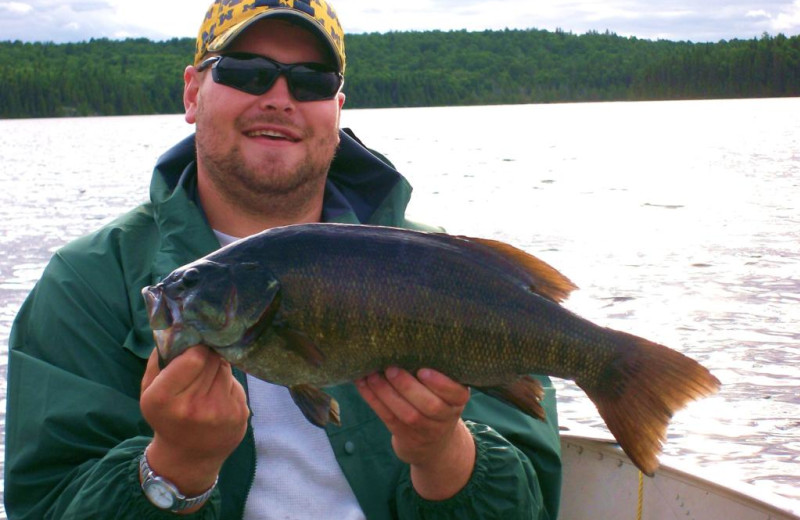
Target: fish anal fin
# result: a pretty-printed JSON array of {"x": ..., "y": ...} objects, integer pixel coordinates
[
  {"x": 638, "y": 393},
  {"x": 525, "y": 393},
  {"x": 317, "y": 406},
  {"x": 300, "y": 344},
  {"x": 543, "y": 279}
]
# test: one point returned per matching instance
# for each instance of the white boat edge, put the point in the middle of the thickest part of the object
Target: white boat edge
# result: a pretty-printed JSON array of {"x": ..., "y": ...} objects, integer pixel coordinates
[{"x": 601, "y": 483}]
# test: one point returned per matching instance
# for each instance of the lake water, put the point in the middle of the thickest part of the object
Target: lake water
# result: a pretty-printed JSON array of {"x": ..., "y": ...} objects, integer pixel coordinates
[{"x": 680, "y": 222}]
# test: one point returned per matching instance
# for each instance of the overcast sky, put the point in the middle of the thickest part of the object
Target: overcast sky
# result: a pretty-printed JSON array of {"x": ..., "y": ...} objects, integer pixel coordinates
[{"x": 694, "y": 20}]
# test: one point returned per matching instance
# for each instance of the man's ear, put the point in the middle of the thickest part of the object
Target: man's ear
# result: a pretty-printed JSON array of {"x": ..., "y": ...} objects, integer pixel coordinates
[{"x": 191, "y": 89}]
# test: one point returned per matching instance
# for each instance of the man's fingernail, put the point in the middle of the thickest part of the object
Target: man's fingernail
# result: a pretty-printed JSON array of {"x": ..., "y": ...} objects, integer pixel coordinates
[{"x": 392, "y": 372}]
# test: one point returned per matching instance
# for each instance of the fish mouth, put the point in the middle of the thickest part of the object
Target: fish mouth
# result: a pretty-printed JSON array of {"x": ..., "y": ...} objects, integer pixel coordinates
[{"x": 160, "y": 311}]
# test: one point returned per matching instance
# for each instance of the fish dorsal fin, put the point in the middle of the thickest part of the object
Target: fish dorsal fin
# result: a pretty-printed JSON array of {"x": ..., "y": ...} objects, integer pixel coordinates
[{"x": 543, "y": 279}]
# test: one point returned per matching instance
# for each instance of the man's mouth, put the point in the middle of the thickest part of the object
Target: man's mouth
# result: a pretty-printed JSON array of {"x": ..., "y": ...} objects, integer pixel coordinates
[{"x": 275, "y": 135}]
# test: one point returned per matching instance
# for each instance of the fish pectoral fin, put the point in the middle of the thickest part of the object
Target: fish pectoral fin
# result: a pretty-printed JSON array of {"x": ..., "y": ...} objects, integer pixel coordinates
[
  {"x": 525, "y": 393},
  {"x": 300, "y": 344},
  {"x": 543, "y": 279},
  {"x": 317, "y": 406}
]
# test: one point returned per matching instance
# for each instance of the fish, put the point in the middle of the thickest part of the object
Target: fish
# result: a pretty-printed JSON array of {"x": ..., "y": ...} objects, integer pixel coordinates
[{"x": 309, "y": 306}]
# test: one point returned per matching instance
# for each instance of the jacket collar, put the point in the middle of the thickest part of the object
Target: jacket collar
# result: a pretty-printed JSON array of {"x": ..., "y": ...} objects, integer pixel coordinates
[
  {"x": 364, "y": 186},
  {"x": 361, "y": 188}
]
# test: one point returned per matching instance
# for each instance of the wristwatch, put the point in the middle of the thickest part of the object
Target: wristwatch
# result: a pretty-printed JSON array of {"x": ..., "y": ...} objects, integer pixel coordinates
[{"x": 164, "y": 494}]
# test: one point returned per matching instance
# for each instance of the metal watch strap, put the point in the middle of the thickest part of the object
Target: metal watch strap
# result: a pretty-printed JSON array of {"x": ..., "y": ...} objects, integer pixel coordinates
[{"x": 180, "y": 502}]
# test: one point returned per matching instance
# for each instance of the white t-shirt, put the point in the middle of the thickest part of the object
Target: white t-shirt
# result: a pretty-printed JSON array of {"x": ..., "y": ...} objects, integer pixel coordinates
[{"x": 297, "y": 475}]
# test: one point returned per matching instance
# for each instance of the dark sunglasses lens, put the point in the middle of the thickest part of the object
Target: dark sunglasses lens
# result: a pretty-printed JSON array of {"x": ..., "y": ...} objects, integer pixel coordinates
[
  {"x": 254, "y": 76},
  {"x": 313, "y": 85}
]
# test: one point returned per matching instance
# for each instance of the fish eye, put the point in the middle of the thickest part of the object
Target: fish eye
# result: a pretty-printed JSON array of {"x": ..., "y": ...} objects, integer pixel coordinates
[{"x": 190, "y": 277}]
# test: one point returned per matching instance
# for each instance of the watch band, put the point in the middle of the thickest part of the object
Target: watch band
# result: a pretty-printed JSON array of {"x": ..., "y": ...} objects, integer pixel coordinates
[{"x": 164, "y": 494}]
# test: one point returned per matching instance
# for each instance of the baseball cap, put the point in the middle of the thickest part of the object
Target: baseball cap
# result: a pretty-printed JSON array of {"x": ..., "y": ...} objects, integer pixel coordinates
[{"x": 227, "y": 19}]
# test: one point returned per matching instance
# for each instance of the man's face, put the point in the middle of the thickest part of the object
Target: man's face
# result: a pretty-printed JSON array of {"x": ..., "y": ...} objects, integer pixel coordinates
[{"x": 259, "y": 151}]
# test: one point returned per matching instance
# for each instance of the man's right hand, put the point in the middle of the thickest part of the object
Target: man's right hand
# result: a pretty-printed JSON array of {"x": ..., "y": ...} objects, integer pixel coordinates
[{"x": 198, "y": 412}]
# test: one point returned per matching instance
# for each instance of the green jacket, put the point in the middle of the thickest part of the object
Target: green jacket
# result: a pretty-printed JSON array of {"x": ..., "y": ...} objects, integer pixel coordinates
[{"x": 79, "y": 346}]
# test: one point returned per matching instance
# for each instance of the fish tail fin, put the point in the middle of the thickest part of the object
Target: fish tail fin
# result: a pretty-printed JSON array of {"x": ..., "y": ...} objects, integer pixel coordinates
[{"x": 638, "y": 392}]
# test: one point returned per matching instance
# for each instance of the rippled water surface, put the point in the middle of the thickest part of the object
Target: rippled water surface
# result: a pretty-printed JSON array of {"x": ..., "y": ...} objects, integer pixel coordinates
[{"x": 679, "y": 221}]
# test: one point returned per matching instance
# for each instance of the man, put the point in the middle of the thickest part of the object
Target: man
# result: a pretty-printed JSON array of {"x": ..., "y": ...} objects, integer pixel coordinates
[{"x": 96, "y": 430}]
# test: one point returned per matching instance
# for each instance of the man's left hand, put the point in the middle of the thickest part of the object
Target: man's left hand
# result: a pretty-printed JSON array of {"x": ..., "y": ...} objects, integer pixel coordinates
[{"x": 423, "y": 414}]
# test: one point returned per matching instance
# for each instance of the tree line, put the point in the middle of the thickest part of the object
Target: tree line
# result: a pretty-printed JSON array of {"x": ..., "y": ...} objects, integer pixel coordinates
[{"x": 404, "y": 69}]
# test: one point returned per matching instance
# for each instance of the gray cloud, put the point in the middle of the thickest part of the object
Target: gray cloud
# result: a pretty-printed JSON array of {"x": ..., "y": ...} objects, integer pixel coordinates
[
  {"x": 80, "y": 7},
  {"x": 65, "y": 21},
  {"x": 710, "y": 20}
]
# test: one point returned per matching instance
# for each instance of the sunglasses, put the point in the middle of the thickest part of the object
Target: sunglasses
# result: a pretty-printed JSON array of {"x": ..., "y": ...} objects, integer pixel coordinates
[{"x": 256, "y": 74}]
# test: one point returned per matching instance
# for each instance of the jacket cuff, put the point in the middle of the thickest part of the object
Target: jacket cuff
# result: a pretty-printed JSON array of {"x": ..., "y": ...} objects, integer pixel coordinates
[
  {"x": 503, "y": 485},
  {"x": 209, "y": 511}
]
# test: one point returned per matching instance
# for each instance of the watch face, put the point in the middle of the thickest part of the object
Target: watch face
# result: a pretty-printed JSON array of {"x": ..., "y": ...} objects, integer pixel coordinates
[{"x": 159, "y": 494}]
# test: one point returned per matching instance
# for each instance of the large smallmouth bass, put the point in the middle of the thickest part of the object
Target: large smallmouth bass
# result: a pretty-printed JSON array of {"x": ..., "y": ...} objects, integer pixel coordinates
[{"x": 314, "y": 305}]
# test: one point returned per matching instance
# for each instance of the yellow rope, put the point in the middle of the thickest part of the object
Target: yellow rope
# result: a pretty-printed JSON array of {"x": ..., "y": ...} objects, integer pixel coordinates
[{"x": 641, "y": 497}]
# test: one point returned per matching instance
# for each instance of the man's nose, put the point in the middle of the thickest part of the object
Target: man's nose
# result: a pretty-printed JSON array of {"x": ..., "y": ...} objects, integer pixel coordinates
[{"x": 278, "y": 97}]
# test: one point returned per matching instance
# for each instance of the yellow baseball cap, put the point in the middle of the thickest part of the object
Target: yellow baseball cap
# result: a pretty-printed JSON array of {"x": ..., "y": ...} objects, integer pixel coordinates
[{"x": 226, "y": 19}]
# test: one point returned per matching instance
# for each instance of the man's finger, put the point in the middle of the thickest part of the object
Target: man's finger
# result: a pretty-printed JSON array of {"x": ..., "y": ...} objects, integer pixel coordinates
[
  {"x": 417, "y": 398},
  {"x": 151, "y": 371},
  {"x": 452, "y": 392},
  {"x": 211, "y": 375},
  {"x": 182, "y": 373},
  {"x": 375, "y": 403}
]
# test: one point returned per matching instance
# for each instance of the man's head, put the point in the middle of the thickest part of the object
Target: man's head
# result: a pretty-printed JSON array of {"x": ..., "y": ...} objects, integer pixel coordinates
[{"x": 265, "y": 95}]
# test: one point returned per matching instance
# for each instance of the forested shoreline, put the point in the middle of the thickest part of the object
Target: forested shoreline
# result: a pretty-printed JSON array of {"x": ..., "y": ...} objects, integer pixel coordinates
[{"x": 405, "y": 69}]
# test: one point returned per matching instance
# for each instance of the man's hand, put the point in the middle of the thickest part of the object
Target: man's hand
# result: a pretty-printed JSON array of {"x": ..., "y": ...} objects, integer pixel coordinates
[
  {"x": 199, "y": 414},
  {"x": 423, "y": 414}
]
